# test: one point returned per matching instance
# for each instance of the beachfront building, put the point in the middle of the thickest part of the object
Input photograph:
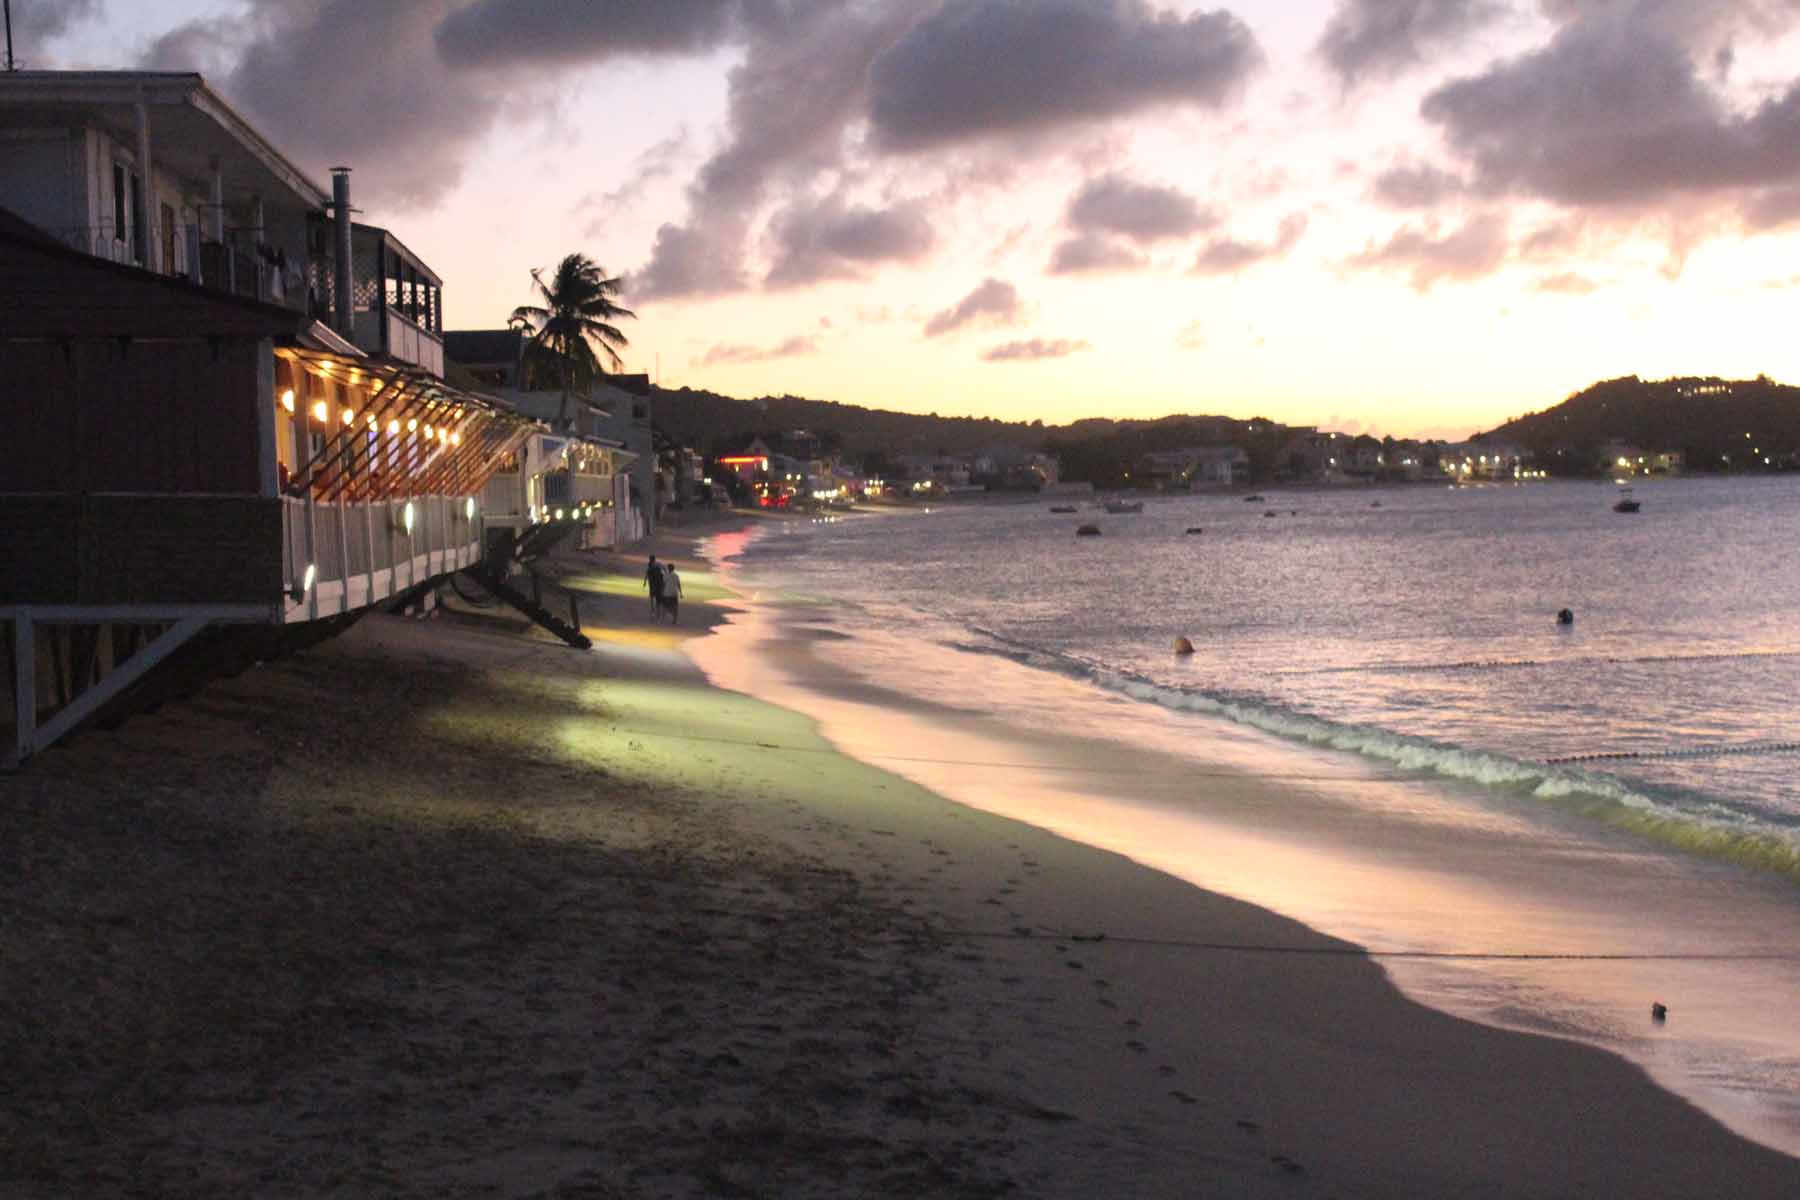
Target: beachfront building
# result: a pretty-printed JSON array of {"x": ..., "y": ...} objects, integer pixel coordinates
[
  {"x": 1196, "y": 468},
  {"x": 1485, "y": 460},
  {"x": 1311, "y": 456},
  {"x": 579, "y": 463},
  {"x": 196, "y": 471}
]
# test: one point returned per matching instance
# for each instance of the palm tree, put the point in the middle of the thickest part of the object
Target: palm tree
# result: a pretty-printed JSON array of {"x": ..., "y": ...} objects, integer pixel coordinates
[{"x": 576, "y": 315}]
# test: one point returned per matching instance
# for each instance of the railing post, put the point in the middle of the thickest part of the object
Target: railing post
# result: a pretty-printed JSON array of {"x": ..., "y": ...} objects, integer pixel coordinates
[
  {"x": 343, "y": 530},
  {"x": 24, "y": 683},
  {"x": 312, "y": 560}
]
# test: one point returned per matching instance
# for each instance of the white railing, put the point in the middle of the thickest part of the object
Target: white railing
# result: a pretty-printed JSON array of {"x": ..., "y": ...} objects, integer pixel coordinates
[
  {"x": 410, "y": 342},
  {"x": 344, "y": 556}
]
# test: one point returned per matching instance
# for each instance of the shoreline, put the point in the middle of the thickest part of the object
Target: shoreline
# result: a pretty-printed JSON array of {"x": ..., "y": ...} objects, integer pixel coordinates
[{"x": 444, "y": 908}]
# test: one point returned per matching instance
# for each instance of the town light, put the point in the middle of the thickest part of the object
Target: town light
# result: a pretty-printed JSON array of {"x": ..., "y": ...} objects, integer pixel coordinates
[
  {"x": 406, "y": 518},
  {"x": 456, "y": 439},
  {"x": 428, "y": 434},
  {"x": 469, "y": 508},
  {"x": 349, "y": 416},
  {"x": 412, "y": 425},
  {"x": 394, "y": 425},
  {"x": 321, "y": 412},
  {"x": 287, "y": 399},
  {"x": 306, "y": 580}
]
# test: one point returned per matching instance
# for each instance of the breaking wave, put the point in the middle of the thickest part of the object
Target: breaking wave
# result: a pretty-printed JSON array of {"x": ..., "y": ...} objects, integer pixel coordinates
[{"x": 1688, "y": 824}]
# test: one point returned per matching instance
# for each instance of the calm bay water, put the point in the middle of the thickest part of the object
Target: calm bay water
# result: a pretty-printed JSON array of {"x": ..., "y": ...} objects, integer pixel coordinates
[
  {"x": 1412, "y": 625},
  {"x": 1390, "y": 659}
]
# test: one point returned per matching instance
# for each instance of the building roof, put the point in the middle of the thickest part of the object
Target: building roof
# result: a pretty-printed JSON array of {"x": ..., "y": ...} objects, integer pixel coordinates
[
  {"x": 195, "y": 124},
  {"x": 483, "y": 347}
]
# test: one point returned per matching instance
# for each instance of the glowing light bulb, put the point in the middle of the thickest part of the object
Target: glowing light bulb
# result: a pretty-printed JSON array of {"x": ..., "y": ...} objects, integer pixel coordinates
[{"x": 287, "y": 399}]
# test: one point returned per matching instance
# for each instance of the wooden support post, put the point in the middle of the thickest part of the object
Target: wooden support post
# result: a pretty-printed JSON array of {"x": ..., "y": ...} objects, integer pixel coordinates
[
  {"x": 116, "y": 681},
  {"x": 24, "y": 656}
]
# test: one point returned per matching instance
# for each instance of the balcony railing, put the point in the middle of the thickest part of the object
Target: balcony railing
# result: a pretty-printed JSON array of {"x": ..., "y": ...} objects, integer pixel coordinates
[
  {"x": 237, "y": 265},
  {"x": 345, "y": 556}
]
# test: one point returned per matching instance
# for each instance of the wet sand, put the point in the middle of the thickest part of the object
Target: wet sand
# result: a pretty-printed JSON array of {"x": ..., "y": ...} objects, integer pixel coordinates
[{"x": 444, "y": 908}]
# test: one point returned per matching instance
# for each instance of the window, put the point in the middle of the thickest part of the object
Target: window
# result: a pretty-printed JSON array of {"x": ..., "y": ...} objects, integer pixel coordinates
[
  {"x": 137, "y": 220},
  {"x": 168, "y": 239},
  {"x": 118, "y": 228}
]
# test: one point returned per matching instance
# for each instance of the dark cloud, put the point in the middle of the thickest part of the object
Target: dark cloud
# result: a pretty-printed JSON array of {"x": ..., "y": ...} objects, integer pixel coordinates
[
  {"x": 981, "y": 67},
  {"x": 1382, "y": 37},
  {"x": 34, "y": 24},
  {"x": 1093, "y": 253},
  {"x": 1612, "y": 114},
  {"x": 347, "y": 82},
  {"x": 1567, "y": 283},
  {"x": 1227, "y": 256},
  {"x": 1142, "y": 212},
  {"x": 1477, "y": 249},
  {"x": 490, "y": 33},
  {"x": 1034, "y": 350},
  {"x": 832, "y": 241},
  {"x": 992, "y": 303},
  {"x": 821, "y": 52},
  {"x": 1415, "y": 186},
  {"x": 1706, "y": 27},
  {"x": 729, "y": 355}
]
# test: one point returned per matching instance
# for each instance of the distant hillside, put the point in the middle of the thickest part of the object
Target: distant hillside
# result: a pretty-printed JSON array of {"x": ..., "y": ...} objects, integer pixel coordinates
[
  {"x": 1704, "y": 418},
  {"x": 714, "y": 424}
]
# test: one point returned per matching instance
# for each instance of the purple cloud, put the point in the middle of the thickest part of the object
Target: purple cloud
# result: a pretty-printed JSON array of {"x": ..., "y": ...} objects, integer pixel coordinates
[
  {"x": 1415, "y": 186},
  {"x": 1092, "y": 253},
  {"x": 733, "y": 355},
  {"x": 1227, "y": 256},
  {"x": 829, "y": 240},
  {"x": 1476, "y": 249},
  {"x": 1612, "y": 115},
  {"x": 1383, "y": 37},
  {"x": 992, "y": 303},
  {"x": 976, "y": 68},
  {"x": 1034, "y": 350},
  {"x": 1141, "y": 212},
  {"x": 491, "y": 33}
]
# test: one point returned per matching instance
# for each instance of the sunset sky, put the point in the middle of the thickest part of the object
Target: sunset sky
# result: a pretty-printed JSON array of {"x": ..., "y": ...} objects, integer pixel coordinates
[{"x": 1402, "y": 217}]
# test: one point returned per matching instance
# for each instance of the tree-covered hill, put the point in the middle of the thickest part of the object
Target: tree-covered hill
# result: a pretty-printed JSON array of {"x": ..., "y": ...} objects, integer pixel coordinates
[{"x": 1704, "y": 418}]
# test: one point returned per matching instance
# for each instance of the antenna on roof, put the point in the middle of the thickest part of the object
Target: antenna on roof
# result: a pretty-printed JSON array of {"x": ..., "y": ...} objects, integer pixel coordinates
[{"x": 12, "y": 64}]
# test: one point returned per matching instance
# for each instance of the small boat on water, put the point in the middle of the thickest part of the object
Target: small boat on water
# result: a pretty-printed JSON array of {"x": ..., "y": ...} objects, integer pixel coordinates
[
  {"x": 1124, "y": 506},
  {"x": 1062, "y": 508},
  {"x": 1627, "y": 503},
  {"x": 1253, "y": 498},
  {"x": 1088, "y": 531}
]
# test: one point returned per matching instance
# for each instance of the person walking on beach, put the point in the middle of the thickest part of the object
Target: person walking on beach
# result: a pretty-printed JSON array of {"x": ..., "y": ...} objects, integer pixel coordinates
[
  {"x": 671, "y": 594},
  {"x": 653, "y": 579}
]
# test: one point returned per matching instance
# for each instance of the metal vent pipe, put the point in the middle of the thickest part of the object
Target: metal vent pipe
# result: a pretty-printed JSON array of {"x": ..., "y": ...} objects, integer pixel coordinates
[{"x": 344, "y": 299}]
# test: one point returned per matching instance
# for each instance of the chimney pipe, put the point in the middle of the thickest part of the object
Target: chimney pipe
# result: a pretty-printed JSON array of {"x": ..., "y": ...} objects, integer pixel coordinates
[{"x": 342, "y": 302}]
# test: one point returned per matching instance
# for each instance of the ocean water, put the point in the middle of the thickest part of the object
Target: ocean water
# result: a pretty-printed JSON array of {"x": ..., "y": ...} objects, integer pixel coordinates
[{"x": 1539, "y": 825}]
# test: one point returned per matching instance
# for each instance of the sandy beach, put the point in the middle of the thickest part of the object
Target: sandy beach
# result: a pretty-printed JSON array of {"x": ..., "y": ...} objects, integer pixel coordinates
[{"x": 446, "y": 908}]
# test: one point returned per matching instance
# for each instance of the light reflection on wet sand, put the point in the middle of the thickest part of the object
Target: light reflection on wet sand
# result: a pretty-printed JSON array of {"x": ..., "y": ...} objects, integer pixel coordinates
[{"x": 1402, "y": 865}]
